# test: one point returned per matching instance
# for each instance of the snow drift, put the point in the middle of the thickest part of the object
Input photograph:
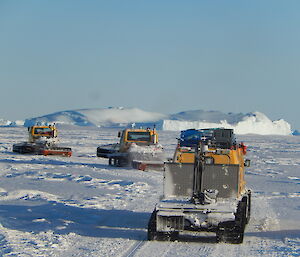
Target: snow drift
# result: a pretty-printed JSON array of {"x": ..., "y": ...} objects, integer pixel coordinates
[{"x": 250, "y": 123}]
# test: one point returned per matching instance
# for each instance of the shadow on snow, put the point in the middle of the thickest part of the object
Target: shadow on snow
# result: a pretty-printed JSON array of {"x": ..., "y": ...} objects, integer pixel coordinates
[
  {"x": 55, "y": 162},
  {"x": 63, "y": 219}
]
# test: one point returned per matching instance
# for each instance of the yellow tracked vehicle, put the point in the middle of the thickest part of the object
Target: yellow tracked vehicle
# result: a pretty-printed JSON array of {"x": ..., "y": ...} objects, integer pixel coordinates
[
  {"x": 42, "y": 140},
  {"x": 204, "y": 188},
  {"x": 137, "y": 147}
]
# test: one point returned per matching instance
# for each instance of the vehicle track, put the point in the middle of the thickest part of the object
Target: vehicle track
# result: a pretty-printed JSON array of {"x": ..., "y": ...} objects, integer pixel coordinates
[
  {"x": 166, "y": 248},
  {"x": 133, "y": 249}
]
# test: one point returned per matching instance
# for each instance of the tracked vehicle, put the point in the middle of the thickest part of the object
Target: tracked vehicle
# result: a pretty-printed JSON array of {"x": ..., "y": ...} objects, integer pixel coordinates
[
  {"x": 42, "y": 140},
  {"x": 137, "y": 147},
  {"x": 204, "y": 189}
]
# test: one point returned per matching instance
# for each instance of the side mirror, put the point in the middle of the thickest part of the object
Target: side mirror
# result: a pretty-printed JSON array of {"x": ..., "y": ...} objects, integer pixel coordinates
[
  {"x": 119, "y": 134},
  {"x": 247, "y": 163}
]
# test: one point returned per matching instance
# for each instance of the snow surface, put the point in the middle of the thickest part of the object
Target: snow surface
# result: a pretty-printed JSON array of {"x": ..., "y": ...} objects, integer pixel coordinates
[
  {"x": 80, "y": 206},
  {"x": 250, "y": 123}
]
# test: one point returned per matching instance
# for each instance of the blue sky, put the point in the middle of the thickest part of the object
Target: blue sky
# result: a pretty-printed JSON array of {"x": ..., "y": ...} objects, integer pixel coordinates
[{"x": 163, "y": 56}]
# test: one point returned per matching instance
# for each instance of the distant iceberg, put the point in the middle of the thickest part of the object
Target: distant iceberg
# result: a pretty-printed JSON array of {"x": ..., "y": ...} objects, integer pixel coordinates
[
  {"x": 8, "y": 123},
  {"x": 104, "y": 117},
  {"x": 296, "y": 133},
  {"x": 250, "y": 123}
]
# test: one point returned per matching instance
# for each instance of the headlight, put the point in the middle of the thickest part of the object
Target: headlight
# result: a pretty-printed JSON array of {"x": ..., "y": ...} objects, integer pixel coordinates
[{"x": 209, "y": 160}]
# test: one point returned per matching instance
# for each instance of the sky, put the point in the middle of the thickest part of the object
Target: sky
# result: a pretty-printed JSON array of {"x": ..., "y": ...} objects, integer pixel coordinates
[{"x": 164, "y": 56}]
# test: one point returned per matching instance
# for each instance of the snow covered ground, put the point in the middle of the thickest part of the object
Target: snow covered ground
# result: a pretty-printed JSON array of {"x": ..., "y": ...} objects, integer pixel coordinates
[{"x": 79, "y": 206}]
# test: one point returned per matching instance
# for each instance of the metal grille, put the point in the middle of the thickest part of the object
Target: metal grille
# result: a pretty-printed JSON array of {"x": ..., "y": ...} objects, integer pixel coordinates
[{"x": 170, "y": 223}]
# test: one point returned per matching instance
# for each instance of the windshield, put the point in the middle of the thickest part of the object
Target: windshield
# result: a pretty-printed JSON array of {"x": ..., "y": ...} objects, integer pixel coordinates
[
  {"x": 139, "y": 136},
  {"x": 43, "y": 131}
]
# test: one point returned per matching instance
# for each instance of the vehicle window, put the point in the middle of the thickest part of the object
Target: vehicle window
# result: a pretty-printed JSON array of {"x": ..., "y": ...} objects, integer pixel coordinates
[
  {"x": 139, "y": 136},
  {"x": 43, "y": 131}
]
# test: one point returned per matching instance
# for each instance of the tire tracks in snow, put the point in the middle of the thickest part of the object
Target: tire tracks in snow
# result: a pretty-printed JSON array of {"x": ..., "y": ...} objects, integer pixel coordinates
[
  {"x": 133, "y": 249},
  {"x": 166, "y": 248}
]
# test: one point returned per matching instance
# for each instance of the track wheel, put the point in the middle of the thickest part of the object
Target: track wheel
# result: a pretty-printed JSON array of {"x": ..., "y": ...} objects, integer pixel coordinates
[
  {"x": 248, "y": 215},
  {"x": 228, "y": 232},
  {"x": 152, "y": 232}
]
